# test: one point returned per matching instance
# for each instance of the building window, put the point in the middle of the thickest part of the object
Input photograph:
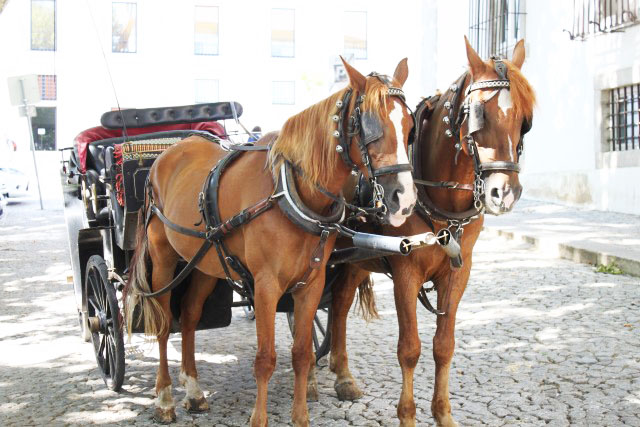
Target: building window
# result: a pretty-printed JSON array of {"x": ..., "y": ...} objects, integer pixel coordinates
[
  {"x": 123, "y": 27},
  {"x": 623, "y": 118},
  {"x": 284, "y": 93},
  {"x": 44, "y": 129},
  {"x": 206, "y": 90},
  {"x": 495, "y": 26},
  {"x": 206, "y": 30},
  {"x": 283, "y": 33},
  {"x": 602, "y": 16},
  {"x": 48, "y": 87},
  {"x": 355, "y": 35},
  {"x": 43, "y": 25}
]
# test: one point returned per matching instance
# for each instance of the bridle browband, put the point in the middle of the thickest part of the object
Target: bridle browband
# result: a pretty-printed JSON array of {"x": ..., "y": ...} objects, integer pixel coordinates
[{"x": 367, "y": 128}]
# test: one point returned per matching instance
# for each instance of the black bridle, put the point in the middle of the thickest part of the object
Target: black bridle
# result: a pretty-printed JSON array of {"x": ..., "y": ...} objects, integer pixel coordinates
[
  {"x": 472, "y": 112},
  {"x": 368, "y": 129}
]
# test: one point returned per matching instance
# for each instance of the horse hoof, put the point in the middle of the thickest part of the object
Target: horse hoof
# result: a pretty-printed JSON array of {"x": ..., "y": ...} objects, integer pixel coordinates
[
  {"x": 164, "y": 416},
  {"x": 348, "y": 391},
  {"x": 408, "y": 423},
  {"x": 196, "y": 406}
]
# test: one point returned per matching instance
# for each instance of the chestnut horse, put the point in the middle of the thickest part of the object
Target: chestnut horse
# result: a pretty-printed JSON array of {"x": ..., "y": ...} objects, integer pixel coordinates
[
  {"x": 487, "y": 109},
  {"x": 308, "y": 141}
]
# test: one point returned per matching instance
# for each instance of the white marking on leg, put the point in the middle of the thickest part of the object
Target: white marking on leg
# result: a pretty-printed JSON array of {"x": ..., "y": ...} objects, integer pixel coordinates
[
  {"x": 191, "y": 386},
  {"x": 408, "y": 195},
  {"x": 164, "y": 400}
]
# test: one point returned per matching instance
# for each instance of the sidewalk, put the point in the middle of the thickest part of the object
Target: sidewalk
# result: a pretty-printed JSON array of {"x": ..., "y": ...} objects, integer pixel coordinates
[{"x": 587, "y": 236}]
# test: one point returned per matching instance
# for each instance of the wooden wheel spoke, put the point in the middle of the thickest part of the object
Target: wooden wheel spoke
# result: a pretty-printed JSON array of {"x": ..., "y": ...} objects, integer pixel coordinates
[
  {"x": 92, "y": 301},
  {"x": 103, "y": 342},
  {"x": 107, "y": 358}
]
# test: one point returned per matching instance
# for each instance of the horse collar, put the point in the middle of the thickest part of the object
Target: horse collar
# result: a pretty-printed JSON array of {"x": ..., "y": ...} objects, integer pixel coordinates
[{"x": 300, "y": 214}]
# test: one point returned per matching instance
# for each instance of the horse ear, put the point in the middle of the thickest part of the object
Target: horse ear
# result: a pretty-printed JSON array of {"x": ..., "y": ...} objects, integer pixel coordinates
[
  {"x": 401, "y": 73},
  {"x": 356, "y": 80},
  {"x": 476, "y": 63},
  {"x": 517, "y": 58}
]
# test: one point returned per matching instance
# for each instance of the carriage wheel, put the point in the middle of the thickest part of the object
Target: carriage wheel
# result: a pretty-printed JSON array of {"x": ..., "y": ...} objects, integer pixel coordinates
[
  {"x": 321, "y": 335},
  {"x": 104, "y": 322}
]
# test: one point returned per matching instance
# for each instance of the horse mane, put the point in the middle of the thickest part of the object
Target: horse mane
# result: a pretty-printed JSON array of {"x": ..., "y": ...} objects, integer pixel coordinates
[
  {"x": 522, "y": 94},
  {"x": 306, "y": 139}
]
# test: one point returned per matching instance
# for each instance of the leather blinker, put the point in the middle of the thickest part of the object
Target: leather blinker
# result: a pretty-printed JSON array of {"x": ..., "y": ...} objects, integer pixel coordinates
[
  {"x": 476, "y": 116},
  {"x": 371, "y": 127}
]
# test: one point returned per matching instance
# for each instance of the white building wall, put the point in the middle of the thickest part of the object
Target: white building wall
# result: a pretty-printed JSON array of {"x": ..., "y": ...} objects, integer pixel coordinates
[
  {"x": 564, "y": 158},
  {"x": 163, "y": 70}
]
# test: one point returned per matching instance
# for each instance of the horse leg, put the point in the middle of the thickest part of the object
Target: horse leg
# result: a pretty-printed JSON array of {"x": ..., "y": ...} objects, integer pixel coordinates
[
  {"x": 266, "y": 296},
  {"x": 406, "y": 287},
  {"x": 342, "y": 298},
  {"x": 306, "y": 302},
  {"x": 312, "y": 381},
  {"x": 200, "y": 288},
  {"x": 164, "y": 260},
  {"x": 450, "y": 290}
]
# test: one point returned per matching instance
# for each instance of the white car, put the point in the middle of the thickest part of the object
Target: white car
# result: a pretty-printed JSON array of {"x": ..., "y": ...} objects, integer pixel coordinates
[{"x": 13, "y": 182}]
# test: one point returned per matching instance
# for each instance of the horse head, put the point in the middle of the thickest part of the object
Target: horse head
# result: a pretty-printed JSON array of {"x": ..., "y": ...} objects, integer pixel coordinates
[
  {"x": 497, "y": 112},
  {"x": 382, "y": 135}
]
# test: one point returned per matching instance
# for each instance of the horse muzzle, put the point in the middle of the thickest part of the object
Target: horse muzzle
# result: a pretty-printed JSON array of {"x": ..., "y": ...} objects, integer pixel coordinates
[
  {"x": 400, "y": 198},
  {"x": 500, "y": 195}
]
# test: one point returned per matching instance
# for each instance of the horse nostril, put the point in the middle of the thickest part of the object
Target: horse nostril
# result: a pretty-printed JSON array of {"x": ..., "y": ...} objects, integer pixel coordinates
[
  {"x": 496, "y": 193},
  {"x": 395, "y": 197}
]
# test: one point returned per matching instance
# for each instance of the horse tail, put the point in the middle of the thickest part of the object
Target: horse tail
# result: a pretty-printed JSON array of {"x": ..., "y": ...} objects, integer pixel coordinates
[
  {"x": 150, "y": 311},
  {"x": 367, "y": 300}
]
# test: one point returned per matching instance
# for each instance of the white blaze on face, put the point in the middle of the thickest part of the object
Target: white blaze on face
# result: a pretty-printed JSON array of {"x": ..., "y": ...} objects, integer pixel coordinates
[
  {"x": 408, "y": 195},
  {"x": 505, "y": 103},
  {"x": 510, "y": 148}
]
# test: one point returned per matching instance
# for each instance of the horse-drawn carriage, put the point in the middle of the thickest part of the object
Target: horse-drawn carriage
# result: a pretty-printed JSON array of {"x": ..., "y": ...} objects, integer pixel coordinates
[
  {"x": 111, "y": 206},
  {"x": 103, "y": 178}
]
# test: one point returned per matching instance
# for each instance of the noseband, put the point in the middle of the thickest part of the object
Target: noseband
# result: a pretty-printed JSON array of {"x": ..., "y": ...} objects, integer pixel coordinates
[{"x": 367, "y": 126}]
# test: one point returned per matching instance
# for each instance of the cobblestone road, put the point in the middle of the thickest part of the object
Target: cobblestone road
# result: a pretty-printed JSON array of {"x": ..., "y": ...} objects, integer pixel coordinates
[{"x": 539, "y": 341}]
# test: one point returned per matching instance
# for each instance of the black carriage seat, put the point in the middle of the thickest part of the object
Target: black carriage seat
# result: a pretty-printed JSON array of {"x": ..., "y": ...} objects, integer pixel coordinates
[{"x": 201, "y": 117}]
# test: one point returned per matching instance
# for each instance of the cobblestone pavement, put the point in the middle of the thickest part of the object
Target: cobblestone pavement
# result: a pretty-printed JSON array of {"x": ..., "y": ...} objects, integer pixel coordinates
[{"x": 539, "y": 341}]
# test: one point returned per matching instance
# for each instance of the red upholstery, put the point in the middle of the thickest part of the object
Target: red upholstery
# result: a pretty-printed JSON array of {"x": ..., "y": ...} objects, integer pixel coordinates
[{"x": 98, "y": 133}]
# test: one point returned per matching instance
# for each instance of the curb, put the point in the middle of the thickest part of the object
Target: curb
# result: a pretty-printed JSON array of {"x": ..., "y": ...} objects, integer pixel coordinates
[{"x": 570, "y": 252}]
